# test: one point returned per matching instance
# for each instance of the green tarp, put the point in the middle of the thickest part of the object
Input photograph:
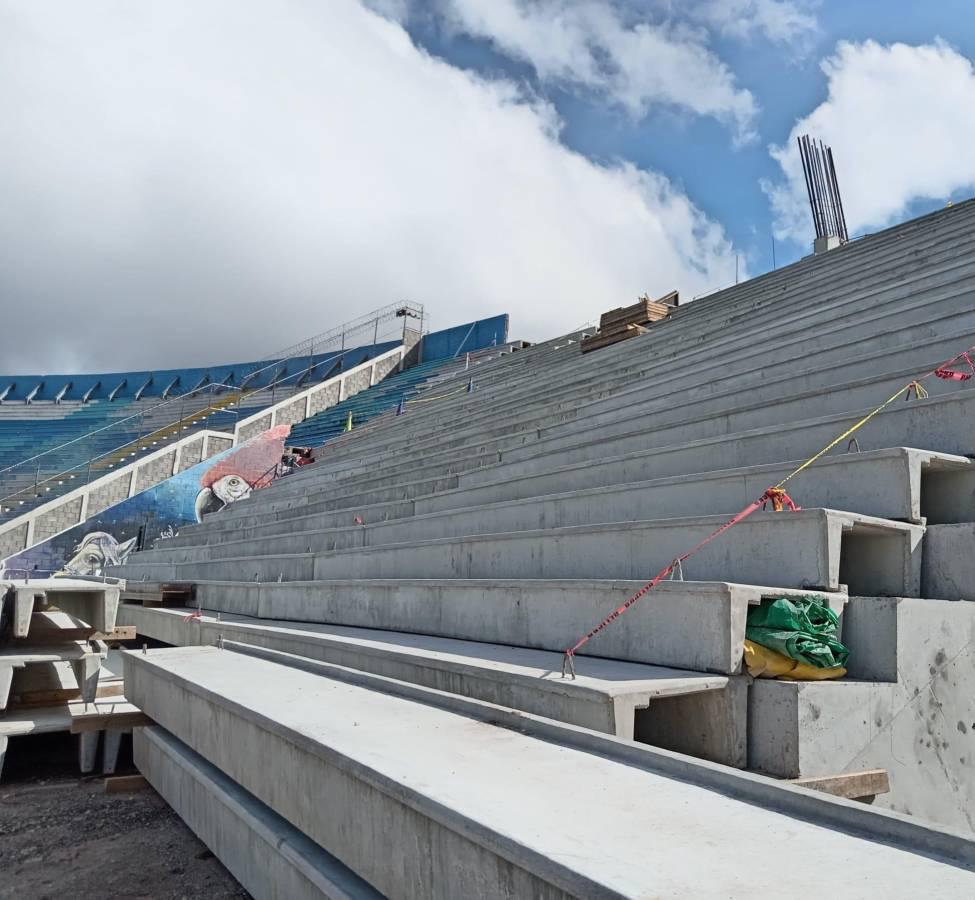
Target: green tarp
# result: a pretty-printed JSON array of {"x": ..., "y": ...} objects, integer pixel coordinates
[{"x": 802, "y": 628}]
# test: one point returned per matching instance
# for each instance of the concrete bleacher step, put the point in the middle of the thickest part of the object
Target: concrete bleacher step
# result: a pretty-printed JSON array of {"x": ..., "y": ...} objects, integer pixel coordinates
[
  {"x": 698, "y": 626},
  {"x": 606, "y": 695},
  {"x": 268, "y": 856},
  {"x": 507, "y": 821},
  {"x": 812, "y": 548},
  {"x": 670, "y": 396},
  {"x": 826, "y": 311},
  {"x": 540, "y": 392},
  {"x": 881, "y": 352},
  {"x": 881, "y": 483},
  {"x": 937, "y": 424}
]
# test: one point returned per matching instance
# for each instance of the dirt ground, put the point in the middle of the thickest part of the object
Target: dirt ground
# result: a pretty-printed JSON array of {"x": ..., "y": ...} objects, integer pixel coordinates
[{"x": 61, "y": 835}]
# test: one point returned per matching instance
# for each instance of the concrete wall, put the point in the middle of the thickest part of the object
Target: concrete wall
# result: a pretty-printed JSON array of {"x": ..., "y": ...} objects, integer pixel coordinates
[{"x": 908, "y": 706}]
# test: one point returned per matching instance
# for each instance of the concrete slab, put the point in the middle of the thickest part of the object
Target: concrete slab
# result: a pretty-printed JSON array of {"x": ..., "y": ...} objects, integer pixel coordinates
[
  {"x": 269, "y": 857},
  {"x": 447, "y": 805}
]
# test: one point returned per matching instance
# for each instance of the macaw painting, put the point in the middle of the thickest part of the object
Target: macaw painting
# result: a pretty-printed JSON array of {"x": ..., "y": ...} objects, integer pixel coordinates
[{"x": 155, "y": 514}]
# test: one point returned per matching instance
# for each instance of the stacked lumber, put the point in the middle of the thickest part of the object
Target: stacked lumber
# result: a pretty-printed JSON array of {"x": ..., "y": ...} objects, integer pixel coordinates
[
  {"x": 148, "y": 593},
  {"x": 629, "y": 321}
]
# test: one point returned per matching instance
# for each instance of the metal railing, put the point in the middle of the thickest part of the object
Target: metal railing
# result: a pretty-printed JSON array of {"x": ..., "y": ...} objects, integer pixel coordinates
[{"x": 96, "y": 460}]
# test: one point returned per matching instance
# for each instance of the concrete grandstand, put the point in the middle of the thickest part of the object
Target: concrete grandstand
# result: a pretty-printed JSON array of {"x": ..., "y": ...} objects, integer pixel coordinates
[{"x": 429, "y": 664}]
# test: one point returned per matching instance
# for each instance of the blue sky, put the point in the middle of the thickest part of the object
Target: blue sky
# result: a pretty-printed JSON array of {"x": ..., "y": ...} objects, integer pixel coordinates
[
  {"x": 724, "y": 180},
  {"x": 185, "y": 183}
]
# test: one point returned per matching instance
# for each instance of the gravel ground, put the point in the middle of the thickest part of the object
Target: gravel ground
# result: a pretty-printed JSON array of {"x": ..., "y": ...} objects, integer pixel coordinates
[{"x": 63, "y": 836}]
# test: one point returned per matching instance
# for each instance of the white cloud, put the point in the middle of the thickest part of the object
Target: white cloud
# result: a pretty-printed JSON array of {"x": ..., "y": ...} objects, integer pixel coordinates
[
  {"x": 189, "y": 183},
  {"x": 898, "y": 120},
  {"x": 605, "y": 48},
  {"x": 781, "y": 21}
]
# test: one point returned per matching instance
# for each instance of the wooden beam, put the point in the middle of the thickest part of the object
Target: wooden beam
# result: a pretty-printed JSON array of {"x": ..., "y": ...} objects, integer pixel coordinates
[
  {"x": 852, "y": 785},
  {"x": 123, "y": 784}
]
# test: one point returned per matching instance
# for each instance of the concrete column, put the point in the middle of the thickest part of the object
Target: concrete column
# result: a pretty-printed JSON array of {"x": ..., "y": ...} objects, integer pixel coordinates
[
  {"x": 3, "y": 753},
  {"x": 23, "y": 610},
  {"x": 341, "y": 389},
  {"x": 87, "y": 751},
  {"x": 86, "y": 674},
  {"x": 133, "y": 481},
  {"x": 308, "y": 404},
  {"x": 113, "y": 738},
  {"x": 178, "y": 453},
  {"x": 83, "y": 513},
  {"x": 29, "y": 540},
  {"x": 6, "y": 677}
]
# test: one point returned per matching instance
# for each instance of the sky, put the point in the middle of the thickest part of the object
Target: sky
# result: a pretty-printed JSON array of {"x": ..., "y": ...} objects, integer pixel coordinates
[{"x": 186, "y": 183}]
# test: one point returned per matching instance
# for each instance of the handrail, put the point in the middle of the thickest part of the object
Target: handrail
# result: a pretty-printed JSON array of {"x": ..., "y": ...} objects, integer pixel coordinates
[
  {"x": 205, "y": 412},
  {"x": 376, "y": 316}
]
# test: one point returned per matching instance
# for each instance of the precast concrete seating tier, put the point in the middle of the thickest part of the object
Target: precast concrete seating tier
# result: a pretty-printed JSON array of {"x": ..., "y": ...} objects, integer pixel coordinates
[
  {"x": 447, "y": 804},
  {"x": 816, "y": 549},
  {"x": 606, "y": 695},
  {"x": 909, "y": 335},
  {"x": 268, "y": 856},
  {"x": 85, "y": 660},
  {"x": 92, "y": 603},
  {"x": 881, "y": 483},
  {"x": 931, "y": 424},
  {"x": 696, "y": 626},
  {"x": 750, "y": 401}
]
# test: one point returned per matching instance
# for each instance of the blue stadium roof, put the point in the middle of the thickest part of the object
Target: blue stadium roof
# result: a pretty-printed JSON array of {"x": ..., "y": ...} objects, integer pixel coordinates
[{"x": 173, "y": 382}]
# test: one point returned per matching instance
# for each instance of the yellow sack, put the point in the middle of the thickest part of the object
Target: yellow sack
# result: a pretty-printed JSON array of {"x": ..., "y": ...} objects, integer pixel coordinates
[{"x": 764, "y": 663}]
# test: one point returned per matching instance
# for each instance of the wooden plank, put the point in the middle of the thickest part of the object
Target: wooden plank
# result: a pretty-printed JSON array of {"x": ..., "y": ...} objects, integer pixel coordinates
[
  {"x": 124, "y": 784},
  {"x": 608, "y": 338},
  {"x": 46, "y": 698},
  {"x": 101, "y": 721},
  {"x": 851, "y": 785},
  {"x": 81, "y": 633}
]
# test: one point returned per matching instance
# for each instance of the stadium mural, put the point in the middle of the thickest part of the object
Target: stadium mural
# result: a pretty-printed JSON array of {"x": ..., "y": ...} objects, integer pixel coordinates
[{"x": 157, "y": 513}]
